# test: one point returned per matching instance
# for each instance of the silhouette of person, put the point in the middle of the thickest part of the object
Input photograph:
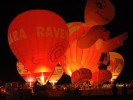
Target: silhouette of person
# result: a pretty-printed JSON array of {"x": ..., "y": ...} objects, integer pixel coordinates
[
  {"x": 114, "y": 89},
  {"x": 124, "y": 90},
  {"x": 76, "y": 94}
]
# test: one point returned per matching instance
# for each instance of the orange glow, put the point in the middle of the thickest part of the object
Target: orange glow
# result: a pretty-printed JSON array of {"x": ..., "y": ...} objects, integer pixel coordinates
[
  {"x": 116, "y": 64},
  {"x": 114, "y": 43},
  {"x": 29, "y": 80},
  {"x": 25, "y": 74},
  {"x": 99, "y": 12},
  {"x": 42, "y": 68},
  {"x": 38, "y": 39},
  {"x": 53, "y": 82},
  {"x": 114, "y": 76},
  {"x": 76, "y": 57},
  {"x": 42, "y": 77},
  {"x": 87, "y": 39},
  {"x": 80, "y": 76},
  {"x": 100, "y": 77},
  {"x": 56, "y": 75}
]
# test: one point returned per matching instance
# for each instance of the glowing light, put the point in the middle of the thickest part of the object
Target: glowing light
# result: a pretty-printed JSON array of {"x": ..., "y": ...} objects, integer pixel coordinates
[
  {"x": 53, "y": 82},
  {"x": 38, "y": 41},
  {"x": 25, "y": 74},
  {"x": 42, "y": 79},
  {"x": 42, "y": 68}
]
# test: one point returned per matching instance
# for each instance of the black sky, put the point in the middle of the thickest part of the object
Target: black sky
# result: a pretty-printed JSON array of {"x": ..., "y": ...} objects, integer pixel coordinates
[{"x": 69, "y": 10}]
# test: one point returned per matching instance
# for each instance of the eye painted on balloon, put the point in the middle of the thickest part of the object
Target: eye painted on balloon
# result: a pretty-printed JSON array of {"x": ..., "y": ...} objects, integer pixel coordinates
[{"x": 101, "y": 4}]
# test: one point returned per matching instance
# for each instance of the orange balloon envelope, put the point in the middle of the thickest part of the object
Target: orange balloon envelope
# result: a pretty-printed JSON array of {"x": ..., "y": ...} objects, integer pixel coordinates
[
  {"x": 116, "y": 64},
  {"x": 100, "y": 77},
  {"x": 75, "y": 57},
  {"x": 99, "y": 12},
  {"x": 96, "y": 13},
  {"x": 38, "y": 38},
  {"x": 57, "y": 74},
  {"x": 25, "y": 74},
  {"x": 87, "y": 39}
]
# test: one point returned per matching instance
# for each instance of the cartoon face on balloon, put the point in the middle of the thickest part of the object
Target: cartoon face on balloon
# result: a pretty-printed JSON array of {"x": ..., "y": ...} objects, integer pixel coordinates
[
  {"x": 99, "y": 12},
  {"x": 96, "y": 14}
]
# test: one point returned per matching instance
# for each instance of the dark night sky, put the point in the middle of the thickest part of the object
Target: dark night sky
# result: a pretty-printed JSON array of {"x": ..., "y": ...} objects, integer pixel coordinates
[{"x": 69, "y": 10}]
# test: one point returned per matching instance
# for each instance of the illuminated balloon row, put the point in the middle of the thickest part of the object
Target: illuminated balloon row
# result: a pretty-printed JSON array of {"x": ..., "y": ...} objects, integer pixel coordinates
[
  {"x": 40, "y": 39},
  {"x": 30, "y": 79}
]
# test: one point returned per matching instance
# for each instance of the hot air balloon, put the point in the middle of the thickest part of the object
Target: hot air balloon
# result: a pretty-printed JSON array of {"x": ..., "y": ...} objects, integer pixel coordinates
[
  {"x": 38, "y": 38},
  {"x": 56, "y": 75},
  {"x": 116, "y": 65},
  {"x": 113, "y": 62},
  {"x": 97, "y": 13},
  {"x": 75, "y": 57},
  {"x": 25, "y": 74}
]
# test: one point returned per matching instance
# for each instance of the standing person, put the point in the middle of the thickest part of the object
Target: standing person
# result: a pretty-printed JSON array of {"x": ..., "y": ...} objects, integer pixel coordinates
[
  {"x": 114, "y": 89},
  {"x": 124, "y": 90}
]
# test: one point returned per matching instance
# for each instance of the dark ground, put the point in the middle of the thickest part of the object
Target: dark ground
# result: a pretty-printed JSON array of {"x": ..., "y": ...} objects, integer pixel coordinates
[{"x": 76, "y": 97}]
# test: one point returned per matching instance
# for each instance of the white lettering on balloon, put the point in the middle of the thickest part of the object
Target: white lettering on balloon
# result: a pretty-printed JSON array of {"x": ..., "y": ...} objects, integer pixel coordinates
[
  {"x": 52, "y": 32},
  {"x": 16, "y": 35},
  {"x": 40, "y": 32}
]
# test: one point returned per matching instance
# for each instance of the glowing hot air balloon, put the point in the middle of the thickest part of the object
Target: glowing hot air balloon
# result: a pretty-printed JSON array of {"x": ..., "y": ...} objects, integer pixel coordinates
[
  {"x": 75, "y": 57},
  {"x": 116, "y": 64},
  {"x": 38, "y": 39},
  {"x": 25, "y": 74},
  {"x": 57, "y": 74},
  {"x": 97, "y": 13}
]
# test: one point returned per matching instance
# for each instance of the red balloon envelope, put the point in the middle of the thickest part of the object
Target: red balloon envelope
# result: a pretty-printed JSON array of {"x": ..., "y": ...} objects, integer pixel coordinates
[
  {"x": 80, "y": 76},
  {"x": 100, "y": 77},
  {"x": 38, "y": 38}
]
